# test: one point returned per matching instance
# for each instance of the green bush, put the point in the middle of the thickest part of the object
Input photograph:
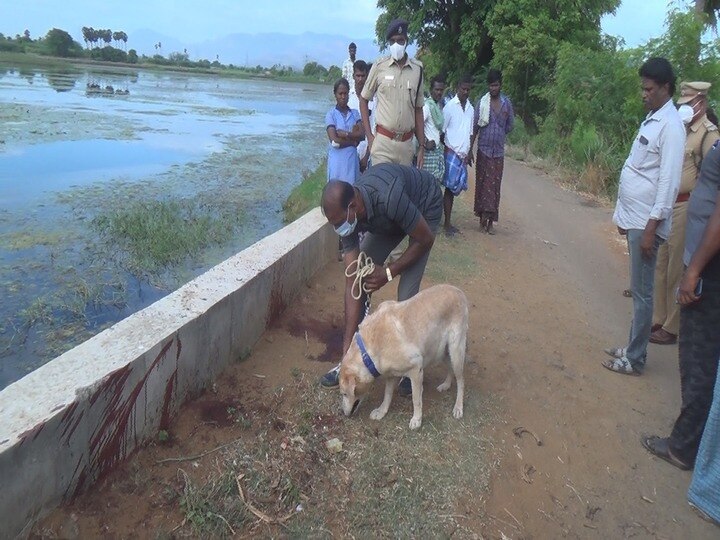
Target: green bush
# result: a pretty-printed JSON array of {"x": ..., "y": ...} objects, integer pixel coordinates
[
  {"x": 109, "y": 54},
  {"x": 519, "y": 135}
]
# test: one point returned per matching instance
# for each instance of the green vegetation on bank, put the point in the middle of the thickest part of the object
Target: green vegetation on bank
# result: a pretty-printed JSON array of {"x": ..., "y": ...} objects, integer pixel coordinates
[
  {"x": 155, "y": 234},
  {"x": 306, "y": 195},
  {"x": 58, "y": 46},
  {"x": 576, "y": 89}
]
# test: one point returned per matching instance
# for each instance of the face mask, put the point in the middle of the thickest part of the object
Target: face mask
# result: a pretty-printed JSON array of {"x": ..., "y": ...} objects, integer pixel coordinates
[
  {"x": 686, "y": 113},
  {"x": 346, "y": 228},
  {"x": 397, "y": 51}
]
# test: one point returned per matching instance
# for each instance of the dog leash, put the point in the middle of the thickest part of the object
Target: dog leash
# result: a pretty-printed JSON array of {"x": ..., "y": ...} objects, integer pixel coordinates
[{"x": 360, "y": 268}]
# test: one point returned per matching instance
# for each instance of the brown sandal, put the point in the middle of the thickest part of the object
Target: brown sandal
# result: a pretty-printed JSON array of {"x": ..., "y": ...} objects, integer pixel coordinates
[{"x": 660, "y": 447}]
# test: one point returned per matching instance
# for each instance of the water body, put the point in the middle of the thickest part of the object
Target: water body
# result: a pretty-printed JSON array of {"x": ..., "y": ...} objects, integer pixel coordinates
[{"x": 70, "y": 151}]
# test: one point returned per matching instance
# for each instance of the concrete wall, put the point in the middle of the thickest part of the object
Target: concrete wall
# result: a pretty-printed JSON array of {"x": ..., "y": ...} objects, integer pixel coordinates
[{"x": 71, "y": 421}]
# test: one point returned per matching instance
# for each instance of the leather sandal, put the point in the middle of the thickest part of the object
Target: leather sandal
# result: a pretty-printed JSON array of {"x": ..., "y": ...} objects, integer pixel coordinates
[{"x": 660, "y": 447}]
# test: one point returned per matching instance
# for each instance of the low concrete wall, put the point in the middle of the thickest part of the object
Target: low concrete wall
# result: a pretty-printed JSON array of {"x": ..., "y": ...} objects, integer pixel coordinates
[{"x": 71, "y": 421}]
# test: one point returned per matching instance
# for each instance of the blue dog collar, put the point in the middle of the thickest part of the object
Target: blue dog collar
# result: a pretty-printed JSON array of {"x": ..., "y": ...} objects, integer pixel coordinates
[{"x": 366, "y": 357}]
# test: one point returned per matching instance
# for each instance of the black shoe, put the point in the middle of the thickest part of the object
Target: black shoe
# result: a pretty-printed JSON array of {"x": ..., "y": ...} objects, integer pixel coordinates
[
  {"x": 331, "y": 379},
  {"x": 405, "y": 387}
]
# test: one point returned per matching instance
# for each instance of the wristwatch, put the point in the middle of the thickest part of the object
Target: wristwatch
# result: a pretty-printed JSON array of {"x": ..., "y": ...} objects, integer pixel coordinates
[{"x": 388, "y": 273}]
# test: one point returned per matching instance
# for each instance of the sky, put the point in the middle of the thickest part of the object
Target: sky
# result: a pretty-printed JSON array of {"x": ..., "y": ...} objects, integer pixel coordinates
[{"x": 192, "y": 21}]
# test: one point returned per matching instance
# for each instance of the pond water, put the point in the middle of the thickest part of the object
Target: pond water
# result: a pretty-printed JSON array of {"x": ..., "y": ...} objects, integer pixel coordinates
[{"x": 73, "y": 152}]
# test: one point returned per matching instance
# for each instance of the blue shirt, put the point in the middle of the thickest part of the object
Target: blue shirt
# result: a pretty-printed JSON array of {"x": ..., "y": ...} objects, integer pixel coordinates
[{"x": 343, "y": 163}]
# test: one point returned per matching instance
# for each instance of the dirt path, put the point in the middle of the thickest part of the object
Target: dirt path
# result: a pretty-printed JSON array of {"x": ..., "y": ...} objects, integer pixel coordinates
[{"x": 546, "y": 299}]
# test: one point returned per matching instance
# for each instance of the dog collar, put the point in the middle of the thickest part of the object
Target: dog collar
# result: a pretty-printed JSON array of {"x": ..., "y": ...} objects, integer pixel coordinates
[{"x": 366, "y": 357}]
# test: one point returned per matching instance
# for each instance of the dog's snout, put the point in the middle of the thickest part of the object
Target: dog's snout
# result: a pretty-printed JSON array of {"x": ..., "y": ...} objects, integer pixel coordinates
[{"x": 355, "y": 406}]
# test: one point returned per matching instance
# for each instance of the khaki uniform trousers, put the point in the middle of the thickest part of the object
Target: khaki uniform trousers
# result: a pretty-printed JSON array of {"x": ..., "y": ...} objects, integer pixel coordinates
[
  {"x": 668, "y": 272},
  {"x": 387, "y": 150}
]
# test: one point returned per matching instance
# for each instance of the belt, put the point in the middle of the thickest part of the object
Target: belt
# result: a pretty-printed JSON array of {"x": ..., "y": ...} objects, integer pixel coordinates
[
  {"x": 402, "y": 137},
  {"x": 682, "y": 197}
]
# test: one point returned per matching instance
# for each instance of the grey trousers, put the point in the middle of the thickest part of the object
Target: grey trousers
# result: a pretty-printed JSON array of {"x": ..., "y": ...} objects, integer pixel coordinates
[{"x": 378, "y": 247}]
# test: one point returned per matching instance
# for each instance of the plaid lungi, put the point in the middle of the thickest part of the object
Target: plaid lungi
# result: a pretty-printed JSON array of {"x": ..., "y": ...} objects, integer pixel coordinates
[{"x": 434, "y": 163}]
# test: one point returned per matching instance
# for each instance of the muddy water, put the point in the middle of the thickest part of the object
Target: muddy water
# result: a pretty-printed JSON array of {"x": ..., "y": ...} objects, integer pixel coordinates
[{"x": 69, "y": 153}]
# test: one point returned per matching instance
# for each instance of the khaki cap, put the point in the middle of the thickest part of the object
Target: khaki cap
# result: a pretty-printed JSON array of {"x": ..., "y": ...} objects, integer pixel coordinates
[{"x": 690, "y": 90}]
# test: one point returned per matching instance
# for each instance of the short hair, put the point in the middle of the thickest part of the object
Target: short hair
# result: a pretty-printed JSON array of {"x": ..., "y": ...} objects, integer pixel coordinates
[
  {"x": 360, "y": 65},
  {"x": 352, "y": 46},
  {"x": 465, "y": 79},
  {"x": 341, "y": 81},
  {"x": 494, "y": 75},
  {"x": 436, "y": 79},
  {"x": 660, "y": 71},
  {"x": 347, "y": 192}
]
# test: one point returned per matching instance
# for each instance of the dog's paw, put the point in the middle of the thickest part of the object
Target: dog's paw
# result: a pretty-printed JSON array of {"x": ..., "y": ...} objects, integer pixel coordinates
[
  {"x": 444, "y": 386},
  {"x": 415, "y": 422},
  {"x": 377, "y": 414},
  {"x": 458, "y": 412}
]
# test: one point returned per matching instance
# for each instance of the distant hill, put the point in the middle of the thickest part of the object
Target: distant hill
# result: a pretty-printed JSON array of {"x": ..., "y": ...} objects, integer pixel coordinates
[{"x": 263, "y": 49}]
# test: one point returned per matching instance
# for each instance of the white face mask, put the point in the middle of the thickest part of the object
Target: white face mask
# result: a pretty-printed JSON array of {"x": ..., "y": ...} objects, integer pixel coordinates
[
  {"x": 346, "y": 228},
  {"x": 397, "y": 51},
  {"x": 686, "y": 113}
]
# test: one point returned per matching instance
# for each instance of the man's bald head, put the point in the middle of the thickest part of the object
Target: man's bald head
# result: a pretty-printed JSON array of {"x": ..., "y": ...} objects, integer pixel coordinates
[{"x": 336, "y": 197}]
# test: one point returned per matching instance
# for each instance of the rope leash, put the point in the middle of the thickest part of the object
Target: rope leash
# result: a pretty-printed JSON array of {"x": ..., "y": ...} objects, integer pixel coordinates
[{"x": 360, "y": 268}]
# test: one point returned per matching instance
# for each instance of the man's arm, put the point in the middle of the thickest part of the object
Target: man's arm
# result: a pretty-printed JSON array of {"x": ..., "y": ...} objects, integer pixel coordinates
[
  {"x": 365, "y": 117},
  {"x": 353, "y": 308},
  {"x": 420, "y": 134},
  {"x": 672, "y": 150},
  {"x": 708, "y": 248}
]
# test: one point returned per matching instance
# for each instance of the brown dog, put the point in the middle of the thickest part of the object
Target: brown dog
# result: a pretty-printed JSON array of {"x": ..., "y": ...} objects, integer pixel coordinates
[{"x": 400, "y": 339}]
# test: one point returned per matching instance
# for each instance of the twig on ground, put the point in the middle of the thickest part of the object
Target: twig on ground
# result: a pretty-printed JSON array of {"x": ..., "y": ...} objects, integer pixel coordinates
[
  {"x": 257, "y": 513},
  {"x": 503, "y": 521},
  {"x": 516, "y": 519},
  {"x": 575, "y": 492},
  {"x": 190, "y": 458},
  {"x": 232, "y": 531}
]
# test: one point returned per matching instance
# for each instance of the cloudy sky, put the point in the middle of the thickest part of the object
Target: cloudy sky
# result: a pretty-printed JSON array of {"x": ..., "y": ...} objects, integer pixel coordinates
[{"x": 193, "y": 20}]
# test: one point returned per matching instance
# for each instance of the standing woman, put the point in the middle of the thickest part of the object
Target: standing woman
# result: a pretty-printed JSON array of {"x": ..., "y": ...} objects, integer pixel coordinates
[
  {"x": 345, "y": 131},
  {"x": 494, "y": 118}
]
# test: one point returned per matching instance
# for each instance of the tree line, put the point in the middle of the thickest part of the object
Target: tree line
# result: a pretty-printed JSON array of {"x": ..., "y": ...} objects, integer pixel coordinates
[{"x": 575, "y": 88}]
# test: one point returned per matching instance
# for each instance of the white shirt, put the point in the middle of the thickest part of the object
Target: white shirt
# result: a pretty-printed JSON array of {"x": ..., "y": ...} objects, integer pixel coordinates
[
  {"x": 458, "y": 126},
  {"x": 354, "y": 103},
  {"x": 431, "y": 131},
  {"x": 347, "y": 70},
  {"x": 650, "y": 177}
]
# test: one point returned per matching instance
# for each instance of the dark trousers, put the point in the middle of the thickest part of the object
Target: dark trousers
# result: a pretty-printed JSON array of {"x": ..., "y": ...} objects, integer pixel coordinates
[{"x": 699, "y": 351}]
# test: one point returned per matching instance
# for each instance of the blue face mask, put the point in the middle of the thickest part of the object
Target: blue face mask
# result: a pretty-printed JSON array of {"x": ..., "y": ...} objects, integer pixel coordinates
[{"x": 346, "y": 228}]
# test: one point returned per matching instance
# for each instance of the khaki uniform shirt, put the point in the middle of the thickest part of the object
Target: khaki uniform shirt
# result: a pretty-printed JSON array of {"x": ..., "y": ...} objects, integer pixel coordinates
[
  {"x": 399, "y": 90},
  {"x": 694, "y": 154}
]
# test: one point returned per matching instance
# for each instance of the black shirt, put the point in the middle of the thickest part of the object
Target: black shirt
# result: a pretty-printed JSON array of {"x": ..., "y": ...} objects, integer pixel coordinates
[{"x": 395, "y": 196}]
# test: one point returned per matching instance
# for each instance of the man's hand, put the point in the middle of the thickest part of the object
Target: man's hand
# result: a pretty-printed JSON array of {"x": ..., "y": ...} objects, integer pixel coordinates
[
  {"x": 647, "y": 244},
  {"x": 420, "y": 157},
  {"x": 686, "y": 290},
  {"x": 621, "y": 231},
  {"x": 377, "y": 279}
]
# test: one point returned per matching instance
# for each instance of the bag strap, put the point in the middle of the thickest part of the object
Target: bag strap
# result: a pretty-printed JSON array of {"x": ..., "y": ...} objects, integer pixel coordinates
[
  {"x": 417, "y": 90},
  {"x": 702, "y": 154}
]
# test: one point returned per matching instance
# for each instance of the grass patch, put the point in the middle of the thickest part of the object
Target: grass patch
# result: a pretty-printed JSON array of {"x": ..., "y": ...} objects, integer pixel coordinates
[
  {"x": 387, "y": 482},
  {"x": 156, "y": 234},
  {"x": 306, "y": 195},
  {"x": 26, "y": 239}
]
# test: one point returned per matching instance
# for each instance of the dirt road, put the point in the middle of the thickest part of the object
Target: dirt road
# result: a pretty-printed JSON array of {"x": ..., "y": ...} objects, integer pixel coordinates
[{"x": 546, "y": 298}]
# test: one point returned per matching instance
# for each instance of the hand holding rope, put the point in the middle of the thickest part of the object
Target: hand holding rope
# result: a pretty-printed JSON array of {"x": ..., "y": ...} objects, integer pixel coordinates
[{"x": 360, "y": 268}]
